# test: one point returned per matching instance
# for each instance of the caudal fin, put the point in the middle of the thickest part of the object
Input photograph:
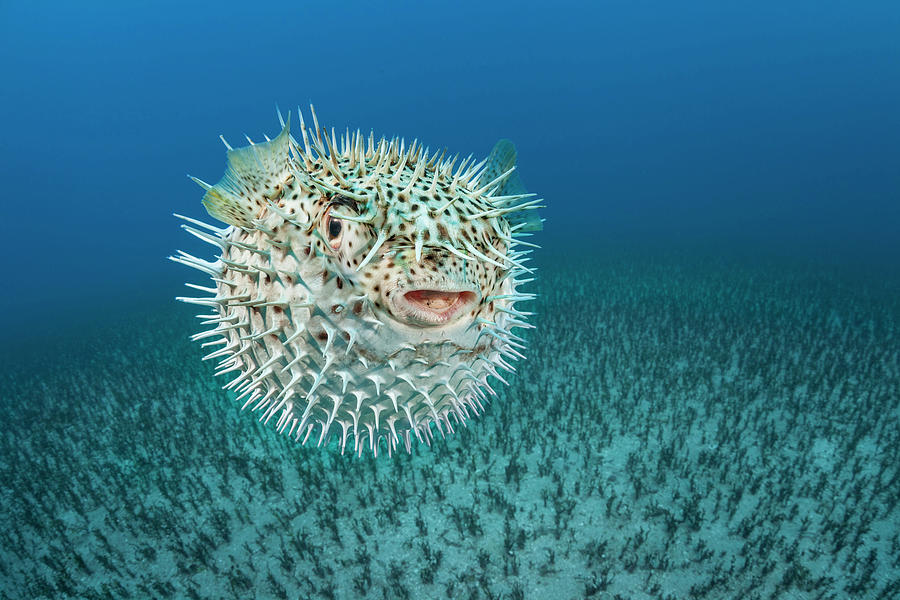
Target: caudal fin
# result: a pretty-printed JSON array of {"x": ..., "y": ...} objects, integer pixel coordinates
[{"x": 253, "y": 173}]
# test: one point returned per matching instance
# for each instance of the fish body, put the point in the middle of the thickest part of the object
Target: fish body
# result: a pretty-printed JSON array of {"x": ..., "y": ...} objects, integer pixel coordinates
[{"x": 364, "y": 291}]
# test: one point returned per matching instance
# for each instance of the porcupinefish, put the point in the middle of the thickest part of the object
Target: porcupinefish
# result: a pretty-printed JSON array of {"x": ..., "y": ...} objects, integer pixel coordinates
[{"x": 365, "y": 290}]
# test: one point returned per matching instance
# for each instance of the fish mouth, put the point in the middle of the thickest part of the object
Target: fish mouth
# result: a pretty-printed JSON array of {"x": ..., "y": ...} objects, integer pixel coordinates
[{"x": 433, "y": 307}]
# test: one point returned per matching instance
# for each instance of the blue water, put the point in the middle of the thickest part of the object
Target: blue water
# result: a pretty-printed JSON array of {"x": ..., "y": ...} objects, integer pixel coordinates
[
  {"x": 764, "y": 126},
  {"x": 691, "y": 148}
]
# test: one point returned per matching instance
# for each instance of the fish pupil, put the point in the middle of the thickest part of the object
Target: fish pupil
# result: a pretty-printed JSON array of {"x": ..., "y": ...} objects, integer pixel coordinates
[{"x": 334, "y": 228}]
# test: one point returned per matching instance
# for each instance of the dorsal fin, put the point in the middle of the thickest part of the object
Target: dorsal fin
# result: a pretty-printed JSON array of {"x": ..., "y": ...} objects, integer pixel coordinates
[
  {"x": 502, "y": 159},
  {"x": 253, "y": 173}
]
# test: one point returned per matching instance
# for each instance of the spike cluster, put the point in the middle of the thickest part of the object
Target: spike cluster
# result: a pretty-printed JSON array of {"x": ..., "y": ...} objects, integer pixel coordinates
[{"x": 365, "y": 290}]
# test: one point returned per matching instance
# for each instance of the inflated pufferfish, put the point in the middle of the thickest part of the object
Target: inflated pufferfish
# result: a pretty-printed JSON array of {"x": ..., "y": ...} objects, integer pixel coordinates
[{"x": 365, "y": 290}]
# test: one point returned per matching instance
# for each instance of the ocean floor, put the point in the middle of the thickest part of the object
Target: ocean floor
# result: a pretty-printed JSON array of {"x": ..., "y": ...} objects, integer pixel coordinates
[{"x": 682, "y": 428}]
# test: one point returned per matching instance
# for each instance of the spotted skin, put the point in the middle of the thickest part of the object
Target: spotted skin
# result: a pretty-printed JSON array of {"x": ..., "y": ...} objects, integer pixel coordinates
[{"x": 330, "y": 289}]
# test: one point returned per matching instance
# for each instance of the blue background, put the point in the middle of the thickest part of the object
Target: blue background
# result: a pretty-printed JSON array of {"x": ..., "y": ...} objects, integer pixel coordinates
[{"x": 764, "y": 128}]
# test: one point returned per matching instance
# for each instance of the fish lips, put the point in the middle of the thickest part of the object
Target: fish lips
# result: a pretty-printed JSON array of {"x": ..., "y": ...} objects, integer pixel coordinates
[{"x": 432, "y": 305}]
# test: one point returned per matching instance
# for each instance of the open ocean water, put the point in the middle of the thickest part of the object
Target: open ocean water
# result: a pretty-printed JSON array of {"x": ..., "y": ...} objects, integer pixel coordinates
[{"x": 710, "y": 403}]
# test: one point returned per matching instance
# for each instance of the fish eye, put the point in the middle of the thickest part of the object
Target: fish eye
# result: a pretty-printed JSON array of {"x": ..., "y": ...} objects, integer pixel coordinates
[{"x": 333, "y": 229}]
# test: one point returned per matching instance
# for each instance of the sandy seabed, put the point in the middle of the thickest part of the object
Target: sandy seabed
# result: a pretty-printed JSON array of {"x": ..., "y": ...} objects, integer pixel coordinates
[{"x": 681, "y": 429}]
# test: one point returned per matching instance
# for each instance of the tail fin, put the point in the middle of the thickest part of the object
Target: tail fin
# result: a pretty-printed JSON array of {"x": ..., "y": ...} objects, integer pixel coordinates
[{"x": 253, "y": 173}]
